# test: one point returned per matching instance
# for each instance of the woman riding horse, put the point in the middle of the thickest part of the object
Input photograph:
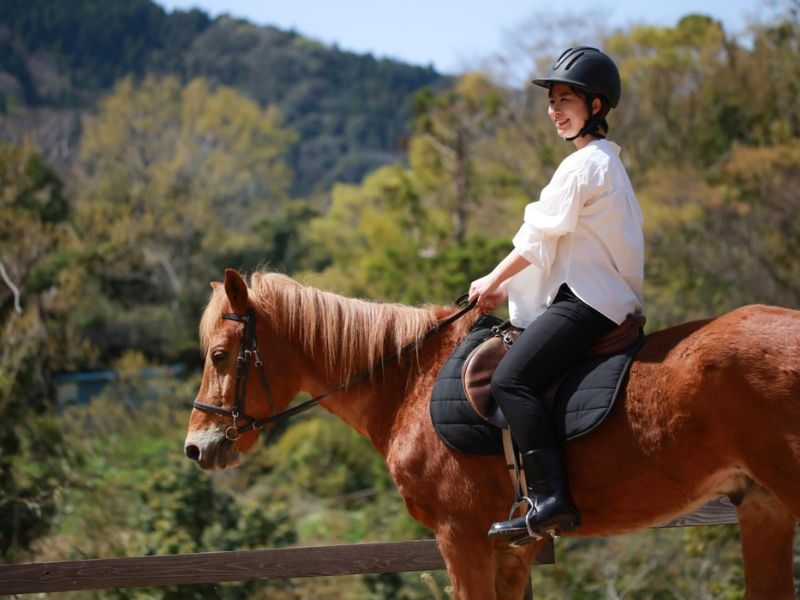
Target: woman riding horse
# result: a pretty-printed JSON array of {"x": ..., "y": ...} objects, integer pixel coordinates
[{"x": 575, "y": 272}]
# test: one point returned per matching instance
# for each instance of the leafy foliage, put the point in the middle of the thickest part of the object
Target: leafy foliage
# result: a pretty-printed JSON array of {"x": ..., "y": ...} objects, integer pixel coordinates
[
  {"x": 174, "y": 181},
  {"x": 696, "y": 562},
  {"x": 33, "y": 209}
]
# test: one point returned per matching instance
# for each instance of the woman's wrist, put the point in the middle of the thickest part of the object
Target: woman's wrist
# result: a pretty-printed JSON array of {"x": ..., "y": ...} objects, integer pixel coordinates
[{"x": 494, "y": 280}]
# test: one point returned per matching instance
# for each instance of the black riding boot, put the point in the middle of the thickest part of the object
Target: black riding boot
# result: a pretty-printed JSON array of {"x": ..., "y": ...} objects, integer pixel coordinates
[{"x": 550, "y": 506}]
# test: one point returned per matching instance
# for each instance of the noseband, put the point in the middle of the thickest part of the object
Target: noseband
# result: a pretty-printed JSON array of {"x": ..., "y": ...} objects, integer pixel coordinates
[{"x": 248, "y": 351}]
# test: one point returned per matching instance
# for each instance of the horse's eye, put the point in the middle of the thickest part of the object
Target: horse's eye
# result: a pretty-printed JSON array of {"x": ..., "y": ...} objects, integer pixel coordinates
[{"x": 218, "y": 356}]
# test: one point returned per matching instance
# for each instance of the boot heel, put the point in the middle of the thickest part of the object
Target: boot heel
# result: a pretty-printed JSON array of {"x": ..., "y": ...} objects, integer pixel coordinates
[
  {"x": 566, "y": 527},
  {"x": 569, "y": 526}
]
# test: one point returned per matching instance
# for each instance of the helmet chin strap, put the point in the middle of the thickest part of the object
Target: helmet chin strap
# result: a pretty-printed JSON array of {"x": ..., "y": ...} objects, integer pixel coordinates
[
  {"x": 587, "y": 128},
  {"x": 581, "y": 133},
  {"x": 590, "y": 125}
]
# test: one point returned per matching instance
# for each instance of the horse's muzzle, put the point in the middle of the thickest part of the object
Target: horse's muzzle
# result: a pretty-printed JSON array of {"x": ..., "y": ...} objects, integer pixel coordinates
[{"x": 210, "y": 449}]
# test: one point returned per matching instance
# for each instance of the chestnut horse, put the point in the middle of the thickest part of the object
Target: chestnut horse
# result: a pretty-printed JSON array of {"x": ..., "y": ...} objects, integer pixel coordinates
[{"x": 711, "y": 408}]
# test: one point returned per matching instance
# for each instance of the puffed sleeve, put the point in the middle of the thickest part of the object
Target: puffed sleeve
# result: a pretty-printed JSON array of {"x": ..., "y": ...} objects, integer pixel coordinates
[
  {"x": 555, "y": 214},
  {"x": 536, "y": 247}
]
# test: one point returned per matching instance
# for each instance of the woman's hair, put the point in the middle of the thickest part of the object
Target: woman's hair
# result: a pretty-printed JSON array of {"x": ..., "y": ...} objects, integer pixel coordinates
[{"x": 596, "y": 124}]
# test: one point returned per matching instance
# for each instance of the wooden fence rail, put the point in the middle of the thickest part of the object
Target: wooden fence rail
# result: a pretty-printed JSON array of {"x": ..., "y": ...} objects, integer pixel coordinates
[
  {"x": 213, "y": 567},
  {"x": 279, "y": 563}
]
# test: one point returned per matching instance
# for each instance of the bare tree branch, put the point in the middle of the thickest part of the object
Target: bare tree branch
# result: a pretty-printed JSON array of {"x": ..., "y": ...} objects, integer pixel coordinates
[{"x": 14, "y": 289}]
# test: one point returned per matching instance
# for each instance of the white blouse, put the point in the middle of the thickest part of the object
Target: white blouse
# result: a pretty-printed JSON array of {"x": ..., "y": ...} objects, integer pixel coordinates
[{"x": 585, "y": 231}]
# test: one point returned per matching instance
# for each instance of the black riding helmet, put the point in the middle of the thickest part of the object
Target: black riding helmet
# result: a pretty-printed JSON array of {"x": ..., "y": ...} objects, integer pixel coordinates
[{"x": 594, "y": 73}]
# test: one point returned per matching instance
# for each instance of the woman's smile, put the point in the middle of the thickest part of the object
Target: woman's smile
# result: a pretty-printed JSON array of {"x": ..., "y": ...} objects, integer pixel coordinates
[
  {"x": 567, "y": 110},
  {"x": 562, "y": 124}
]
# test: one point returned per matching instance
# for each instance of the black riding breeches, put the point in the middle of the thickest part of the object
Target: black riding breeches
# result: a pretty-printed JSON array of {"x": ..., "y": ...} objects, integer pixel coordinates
[{"x": 541, "y": 354}]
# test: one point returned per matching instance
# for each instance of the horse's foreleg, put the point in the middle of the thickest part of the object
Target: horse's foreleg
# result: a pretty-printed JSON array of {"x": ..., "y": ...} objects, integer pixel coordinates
[
  {"x": 767, "y": 528},
  {"x": 469, "y": 561},
  {"x": 513, "y": 570}
]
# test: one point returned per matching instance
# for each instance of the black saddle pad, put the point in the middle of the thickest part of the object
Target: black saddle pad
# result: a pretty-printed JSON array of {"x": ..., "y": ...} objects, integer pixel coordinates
[
  {"x": 455, "y": 421},
  {"x": 583, "y": 400}
]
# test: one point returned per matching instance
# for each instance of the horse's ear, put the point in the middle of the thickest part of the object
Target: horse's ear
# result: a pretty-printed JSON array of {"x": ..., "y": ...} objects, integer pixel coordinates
[
  {"x": 236, "y": 290},
  {"x": 215, "y": 285}
]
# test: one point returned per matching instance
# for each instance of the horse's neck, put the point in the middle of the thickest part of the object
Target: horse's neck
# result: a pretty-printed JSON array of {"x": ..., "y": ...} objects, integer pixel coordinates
[
  {"x": 368, "y": 410},
  {"x": 397, "y": 391}
]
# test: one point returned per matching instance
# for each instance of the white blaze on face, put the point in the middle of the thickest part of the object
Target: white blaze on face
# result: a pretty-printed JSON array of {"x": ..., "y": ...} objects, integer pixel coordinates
[{"x": 205, "y": 438}]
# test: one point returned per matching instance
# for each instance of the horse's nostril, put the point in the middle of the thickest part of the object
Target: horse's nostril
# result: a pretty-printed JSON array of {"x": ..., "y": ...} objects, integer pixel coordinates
[{"x": 192, "y": 452}]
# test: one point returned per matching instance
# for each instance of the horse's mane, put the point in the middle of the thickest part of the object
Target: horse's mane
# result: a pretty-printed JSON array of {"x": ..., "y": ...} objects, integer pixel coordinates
[{"x": 343, "y": 335}]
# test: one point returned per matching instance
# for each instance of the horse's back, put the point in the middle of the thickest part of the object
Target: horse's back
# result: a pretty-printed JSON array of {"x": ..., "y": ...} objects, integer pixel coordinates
[
  {"x": 717, "y": 370},
  {"x": 769, "y": 325},
  {"x": 747, "y": 331}
]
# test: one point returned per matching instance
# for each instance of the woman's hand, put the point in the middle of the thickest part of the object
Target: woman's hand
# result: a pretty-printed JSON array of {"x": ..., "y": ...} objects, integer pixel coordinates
[
  {"x": 492, "y": 289},
  {"x": 487, "y": 293}
]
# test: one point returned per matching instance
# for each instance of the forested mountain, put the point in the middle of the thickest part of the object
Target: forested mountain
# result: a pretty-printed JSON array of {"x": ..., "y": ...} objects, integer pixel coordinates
[{"x": 57, "y": 58}]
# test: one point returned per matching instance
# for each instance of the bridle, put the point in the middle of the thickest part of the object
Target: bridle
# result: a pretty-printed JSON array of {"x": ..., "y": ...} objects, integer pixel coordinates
[{"x": 248, "y": 352}]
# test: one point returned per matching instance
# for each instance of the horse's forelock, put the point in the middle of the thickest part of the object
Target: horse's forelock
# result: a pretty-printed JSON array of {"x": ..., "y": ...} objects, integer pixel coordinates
[{"x": 212, "y": 315}]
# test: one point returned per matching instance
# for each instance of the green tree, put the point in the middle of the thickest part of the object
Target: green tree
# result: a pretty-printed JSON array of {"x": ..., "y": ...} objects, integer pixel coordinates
[
  {"x": 174, "y": 179},
  {"x": 448, "y": 128},
  {"x": 675, "y": 108},
  {"x": 33, "y": 210},
  {"x": 380, "y": 241},
  {"x": 748, "y": 232},
  {"x": 424, "y": 232}
]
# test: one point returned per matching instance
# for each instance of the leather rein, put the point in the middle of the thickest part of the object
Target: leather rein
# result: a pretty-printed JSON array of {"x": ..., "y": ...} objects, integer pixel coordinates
[{"x": 248, "y": 352}]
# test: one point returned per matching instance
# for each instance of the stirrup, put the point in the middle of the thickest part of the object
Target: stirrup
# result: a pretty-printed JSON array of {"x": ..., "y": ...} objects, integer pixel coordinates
[
  {"x": 525, "y": 500},
  {"x": 517, "y": 504},
  {"x": 533, "y": 536},
  {"x": 531, "y": 532}
]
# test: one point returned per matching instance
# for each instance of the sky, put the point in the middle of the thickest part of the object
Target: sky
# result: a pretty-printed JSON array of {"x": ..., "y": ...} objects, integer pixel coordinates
[{"x": 454, "y": 35}]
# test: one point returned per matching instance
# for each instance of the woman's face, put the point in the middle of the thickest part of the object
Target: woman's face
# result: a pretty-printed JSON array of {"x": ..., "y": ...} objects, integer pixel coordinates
[{"x": 567, "y": 110}]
